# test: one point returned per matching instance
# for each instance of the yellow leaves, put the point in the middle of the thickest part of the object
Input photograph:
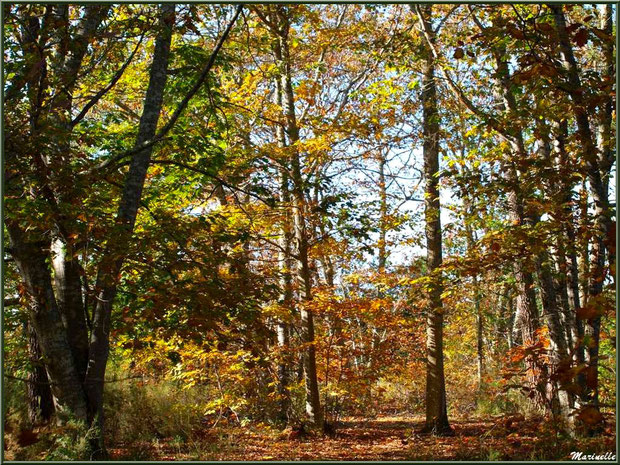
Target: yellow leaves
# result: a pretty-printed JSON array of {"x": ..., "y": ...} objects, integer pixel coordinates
[
  {"x": 353, "y": 278},
  {"x": 316, "y": 146},
  {"x": 248, "y": 93},
  {"x": 306, "y": 91},
  {"x": 278, "y": 312},
  {"x": 447, "y": 293},
  {"x": 156, "y": 170}
]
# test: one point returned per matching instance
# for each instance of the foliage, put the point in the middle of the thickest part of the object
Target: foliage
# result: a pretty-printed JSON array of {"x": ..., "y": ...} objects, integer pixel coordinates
[{"x": 292, "y": 184}]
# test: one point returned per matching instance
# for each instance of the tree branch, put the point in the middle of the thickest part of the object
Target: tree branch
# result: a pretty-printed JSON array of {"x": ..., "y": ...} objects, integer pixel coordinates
[
  {"x": 93, "y": 101},
  {"x": 181, "y": 106}
]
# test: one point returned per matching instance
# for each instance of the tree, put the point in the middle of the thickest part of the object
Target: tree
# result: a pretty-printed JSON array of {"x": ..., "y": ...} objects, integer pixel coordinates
[
  {"x": 57, "y": 310},
  {"x": 436, "y": 404}
]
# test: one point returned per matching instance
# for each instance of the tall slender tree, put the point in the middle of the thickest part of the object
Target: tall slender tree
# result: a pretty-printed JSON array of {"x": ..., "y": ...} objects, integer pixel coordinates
[{"x": 436, "y": 403}]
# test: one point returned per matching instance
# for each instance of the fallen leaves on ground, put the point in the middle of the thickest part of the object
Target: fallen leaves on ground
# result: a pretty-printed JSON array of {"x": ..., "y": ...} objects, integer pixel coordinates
[{"x": 383, "y": 438}]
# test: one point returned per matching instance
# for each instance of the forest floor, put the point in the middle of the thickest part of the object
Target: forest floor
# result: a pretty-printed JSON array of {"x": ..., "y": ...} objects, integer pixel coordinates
[{"x": 383, "y": 438}]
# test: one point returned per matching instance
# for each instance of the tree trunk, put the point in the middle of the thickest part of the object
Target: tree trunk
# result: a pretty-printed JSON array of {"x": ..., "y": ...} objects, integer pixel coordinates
[
  {"x": 31, "y": 250},
  {"x": 40, "y": 400},
  {"x": 605, "y": 131},
  {"x": 68, "y": 286},
  {"x": 383, "y": 211},
  {"x": 566, "y": 245},
  {"x": 559, "y": 354},
  {"x": 32, "y": 260},
  {"x": 112, "y": 261},
  {"x": 477, "y": 311},
  {"x": 592, "y": 157},
  {"x": 436, "y": 405},
  {"x": 286, "y": 265},
  {"x": 554, "y": 295},
  {"x": 300, "y": 246}
]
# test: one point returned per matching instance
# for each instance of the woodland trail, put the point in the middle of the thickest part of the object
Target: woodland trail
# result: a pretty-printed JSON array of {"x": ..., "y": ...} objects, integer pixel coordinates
[{"x": 383, "y": 438}]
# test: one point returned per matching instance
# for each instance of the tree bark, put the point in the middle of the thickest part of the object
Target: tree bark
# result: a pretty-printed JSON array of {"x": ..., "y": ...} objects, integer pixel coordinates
[
  {"x": 300, "y": 246},
  {"x": 526, "y": 318},
  {"x": 40, "y": 399},
  {"x": 68, "y": 286},
  {"x": 383, "y": 212},
  {"x": 605, "y": 131},
  {"x": 436, "y": 404},
  {"x": 593, "y": 157},
  {"x": 566, "y": 245},
  {"x": 477, "y": 308},
  {"x": 32, "y": 260},
  {"x": 31, "y": 250},
  {"x": 286, "y": 265}
]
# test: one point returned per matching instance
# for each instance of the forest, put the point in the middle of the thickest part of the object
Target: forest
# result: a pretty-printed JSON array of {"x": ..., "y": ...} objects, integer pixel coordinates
[{"x": 309, "y": 231}]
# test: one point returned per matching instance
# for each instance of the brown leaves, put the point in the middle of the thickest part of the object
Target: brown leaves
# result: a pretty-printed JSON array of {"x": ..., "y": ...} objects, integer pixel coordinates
[
  {"x": 459, "y": 53},
  {"x": 587, "y": 312},
  {"x": 595, "y": 307},
  {"x": 602, "y": 35},
  {"x": 547, "y": 70},
  {"x": 546, "y": 28},
  {"x": 590, "y": 416},
  {"x": 27, "y": 438},
  {"x": 514, "y": 31},
  {"x": 581, "y": 37},
  {"x": 591, "y": 377}
]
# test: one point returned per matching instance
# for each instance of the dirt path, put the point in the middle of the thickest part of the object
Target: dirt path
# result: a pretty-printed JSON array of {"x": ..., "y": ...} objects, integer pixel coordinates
[{"x": 383, "y": 438}]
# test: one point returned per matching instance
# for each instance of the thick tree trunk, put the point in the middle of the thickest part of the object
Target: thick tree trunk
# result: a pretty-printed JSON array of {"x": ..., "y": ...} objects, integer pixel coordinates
[
  {"x": 436, "y": 404},
  {"x": 32, "y": 261},
  {"x": 566, "y": 245},
  {"x": 31, "y": 254},
  {"x": 605, "y": 130},
  {"x": 554, "y": 294},
  {"x": 68, "y": 286},
  {"x": 526, "y": 319},
  {"x": 40, "y": 399},
  {"x": 112, "y": 261},
  {"x": 558, "y": 357}
]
